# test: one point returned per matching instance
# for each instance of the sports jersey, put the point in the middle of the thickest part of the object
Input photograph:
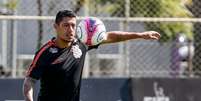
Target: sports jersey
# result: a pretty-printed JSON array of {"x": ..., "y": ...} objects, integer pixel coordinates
[{"x": 59, "y": 71}]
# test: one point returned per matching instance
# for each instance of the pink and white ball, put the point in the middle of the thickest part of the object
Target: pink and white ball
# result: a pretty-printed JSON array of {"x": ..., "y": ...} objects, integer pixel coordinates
[{"x": 91, "y": 31}]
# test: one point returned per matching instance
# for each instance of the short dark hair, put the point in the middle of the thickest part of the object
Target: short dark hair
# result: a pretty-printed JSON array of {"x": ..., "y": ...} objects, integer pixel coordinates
[{"x": 64, "y": 13}]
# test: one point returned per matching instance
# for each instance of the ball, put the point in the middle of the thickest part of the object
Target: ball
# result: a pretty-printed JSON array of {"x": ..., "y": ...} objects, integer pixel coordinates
[{"x": 91, "y": 31}]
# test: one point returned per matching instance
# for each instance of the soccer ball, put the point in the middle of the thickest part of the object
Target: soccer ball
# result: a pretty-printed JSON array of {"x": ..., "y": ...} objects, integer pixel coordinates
[{"x": 91, "y": 31}]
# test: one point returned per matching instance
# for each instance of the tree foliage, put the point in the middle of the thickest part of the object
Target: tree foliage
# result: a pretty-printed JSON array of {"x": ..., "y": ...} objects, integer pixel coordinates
[
  {"x": 150, "y": 8},
  {"x": 166, "y": 9},
  {"x": 11, "y": 4}
]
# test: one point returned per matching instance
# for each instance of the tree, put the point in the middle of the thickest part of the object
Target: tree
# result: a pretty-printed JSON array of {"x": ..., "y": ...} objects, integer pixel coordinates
[
  {"x": 101, "y": 7},
  {"x": 147, "y": 8},
  {"x": 164, "y": 8},
  {"x": 10, "y": 5}
]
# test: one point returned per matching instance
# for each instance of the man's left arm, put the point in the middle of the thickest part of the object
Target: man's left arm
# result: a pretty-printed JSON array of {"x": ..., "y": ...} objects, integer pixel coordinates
[{"x": 118, "y": 36}]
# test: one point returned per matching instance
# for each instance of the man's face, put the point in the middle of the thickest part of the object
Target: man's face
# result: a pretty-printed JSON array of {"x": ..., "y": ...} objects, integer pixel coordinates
[{"x": 66, "y": 29}]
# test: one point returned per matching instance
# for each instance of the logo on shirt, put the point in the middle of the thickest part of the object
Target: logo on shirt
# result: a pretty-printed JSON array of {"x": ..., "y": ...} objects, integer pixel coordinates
[
  {"x": 53, "y": 50},
  {"x": 77, "y": 53}
]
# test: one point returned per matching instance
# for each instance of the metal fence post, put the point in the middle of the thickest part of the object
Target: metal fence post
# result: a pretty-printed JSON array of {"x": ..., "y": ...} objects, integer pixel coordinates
[{"x": 4, "y": 40}]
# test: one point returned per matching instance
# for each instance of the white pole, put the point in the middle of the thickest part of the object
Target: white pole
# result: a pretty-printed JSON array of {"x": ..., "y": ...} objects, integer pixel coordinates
[
  {"x": 121, "y": 67},
  {"x": 4, "y": 40},
  {"x": 124, "y": 48},
  {"x": 86, "y": 69},
  {"x": 127, "y": 8},
  {"x": 127, "y": 15},
  {"x": 14, "y": 48},
  {"x": 86, "y": 8},
  {"x": 4, "y": 43}
]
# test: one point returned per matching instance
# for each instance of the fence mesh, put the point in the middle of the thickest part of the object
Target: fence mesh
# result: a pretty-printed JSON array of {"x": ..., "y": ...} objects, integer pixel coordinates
[{"x": 176, "y": 54}]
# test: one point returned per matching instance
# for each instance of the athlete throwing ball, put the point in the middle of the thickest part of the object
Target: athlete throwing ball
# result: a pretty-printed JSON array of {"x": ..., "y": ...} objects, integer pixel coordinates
[{"x": 59, "y": 63}]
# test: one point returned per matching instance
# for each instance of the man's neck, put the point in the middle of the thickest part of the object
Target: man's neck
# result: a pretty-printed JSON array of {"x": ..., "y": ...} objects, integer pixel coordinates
[{"x": 62, "y": 44}]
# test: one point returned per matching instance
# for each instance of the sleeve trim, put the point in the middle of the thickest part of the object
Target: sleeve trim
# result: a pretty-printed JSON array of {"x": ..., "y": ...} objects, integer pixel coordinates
[{"x": 33, "y": 64}]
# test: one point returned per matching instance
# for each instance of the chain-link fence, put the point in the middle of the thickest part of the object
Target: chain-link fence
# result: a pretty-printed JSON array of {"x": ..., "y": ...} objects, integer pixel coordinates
[{"x": 168, "y": 57}]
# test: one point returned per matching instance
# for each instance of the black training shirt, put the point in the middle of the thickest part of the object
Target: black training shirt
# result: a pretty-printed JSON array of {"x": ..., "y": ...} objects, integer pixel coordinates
[{"x": 59, "y": 71}]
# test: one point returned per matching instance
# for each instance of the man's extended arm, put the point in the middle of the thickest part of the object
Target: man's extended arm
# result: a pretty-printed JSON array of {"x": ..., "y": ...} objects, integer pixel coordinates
[
  {"x": 118, "y": 36},
  {"x": 28, "y": 87}
]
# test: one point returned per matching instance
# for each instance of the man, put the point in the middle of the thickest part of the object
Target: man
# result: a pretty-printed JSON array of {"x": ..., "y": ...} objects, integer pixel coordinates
[{"x": 59, "y": 63}]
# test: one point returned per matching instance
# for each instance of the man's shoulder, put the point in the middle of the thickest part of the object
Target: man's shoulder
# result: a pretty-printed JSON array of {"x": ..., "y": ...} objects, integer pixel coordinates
[{"x": 46, "y": 49}]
